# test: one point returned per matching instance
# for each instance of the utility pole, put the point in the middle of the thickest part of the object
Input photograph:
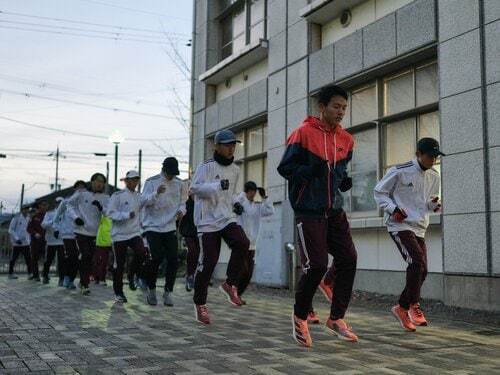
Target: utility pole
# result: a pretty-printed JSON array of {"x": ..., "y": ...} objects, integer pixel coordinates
[
  {"x": 140, "y": 170},
  {"x": 56, "y": 186},
  {"x": 22, "y": 197}
]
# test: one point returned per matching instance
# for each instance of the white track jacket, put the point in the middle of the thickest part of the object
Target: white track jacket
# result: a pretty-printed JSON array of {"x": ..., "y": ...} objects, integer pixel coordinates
[
  {"x": 63, "y": 223},
  {"x": 213, "y": 207},
  {"x": 409, "y": 187},
  {"x": 160, "y": 216},
  {"x": 250, "y": 218},
  {"x": 48, "y": 224},
  {"x": 121, "y": 204},
  {"x": 80, "y": 205},
  {"x": 18, "y": 230}
]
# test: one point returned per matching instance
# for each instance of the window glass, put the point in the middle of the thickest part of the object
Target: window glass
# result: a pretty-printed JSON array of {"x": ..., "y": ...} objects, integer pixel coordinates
[
  {"x": 209, "y": 148},
  {"x": 427, "y": 84},
  {"x": 398, "y": 93},
  {"x": 264, "y": 173},
  {"x": 254, "y": 171},
  {"x": 362, "y": 191},
  {"x": 257, "y": 32},
  {"x": 400, "y": 142},
  {"x": 241, "y": 178},
  {"x": 239, "y": 22},
  {"x": 255, "y": 141},
  {"x": 252, "y": 158},
  {"x": 363, "y": 172},
  {"x": 257, "y": 8},
  {"x": 429, "y": 125},
  {"x": 239, "y": 153},
  {"x": 364, "y": 105},
  {"x": 227, "y": 37},
  {"x": 365, "y": 154},
  {"x": 239, "y": 25},
  {"x": 238, "y": 43}
]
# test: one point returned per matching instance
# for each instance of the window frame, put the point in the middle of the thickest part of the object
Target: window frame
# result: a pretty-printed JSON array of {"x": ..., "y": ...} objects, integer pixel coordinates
[
  {"x": 243, "y": 161},
  {"x": 227, "y": 16},
  {"x": 382, "y": 121}
]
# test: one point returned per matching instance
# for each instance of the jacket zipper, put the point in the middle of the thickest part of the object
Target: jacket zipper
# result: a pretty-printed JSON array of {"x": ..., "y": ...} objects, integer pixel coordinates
[
  {"x": 301, "y": 192},
  {"x": 327, "y": 175}
]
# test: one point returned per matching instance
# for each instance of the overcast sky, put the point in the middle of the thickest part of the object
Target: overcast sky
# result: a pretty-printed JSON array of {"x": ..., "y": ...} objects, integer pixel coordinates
[{"x": 72, "y": 72}]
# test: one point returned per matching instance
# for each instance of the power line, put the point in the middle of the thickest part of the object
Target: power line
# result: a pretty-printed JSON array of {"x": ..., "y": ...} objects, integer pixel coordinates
[
  {"x": 94, "y": 24},
  {"x": 117, "y": 39},
  {"x": 47, "y": 85},
  {"x": 28, "y": 95},
  {"x": 86, "y": 134},
  {"x": 117, "y": 34}
]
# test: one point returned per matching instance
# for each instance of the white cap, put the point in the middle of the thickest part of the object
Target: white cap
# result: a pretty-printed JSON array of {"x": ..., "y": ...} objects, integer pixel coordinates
[
  {"x": 59, "y": 199},
  {"x": 133, "y": 174}
]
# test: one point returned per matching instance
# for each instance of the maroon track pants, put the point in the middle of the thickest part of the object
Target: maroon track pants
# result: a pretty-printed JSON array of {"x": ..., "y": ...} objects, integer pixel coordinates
[
  {"x": 317, "y": 238},
  {"x": 193, "y": 253},
  {"x": 414, "y": 252},
  {"x": 210, "y": 243}
]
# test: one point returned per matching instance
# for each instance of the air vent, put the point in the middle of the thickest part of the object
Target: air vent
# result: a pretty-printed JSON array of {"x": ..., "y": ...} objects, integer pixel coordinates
[{"x": 345, "y": 18}]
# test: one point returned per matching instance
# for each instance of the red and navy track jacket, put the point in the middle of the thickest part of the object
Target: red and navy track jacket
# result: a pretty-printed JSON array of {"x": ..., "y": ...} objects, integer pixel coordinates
[{"x": 310, "y": 144}]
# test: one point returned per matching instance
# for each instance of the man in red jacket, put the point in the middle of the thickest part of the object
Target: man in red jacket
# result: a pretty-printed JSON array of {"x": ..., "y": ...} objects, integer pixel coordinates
[
  {"x": 315, "y": 165},
  {"x": 37, "y": 233}
]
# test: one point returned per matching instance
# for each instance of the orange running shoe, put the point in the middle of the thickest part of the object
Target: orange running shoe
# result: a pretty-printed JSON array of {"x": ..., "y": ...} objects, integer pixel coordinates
[
  {"x": 231, "y": 292},
  {"x": 403, "y": 318},
  {"x": 312, "y": 317},
  {"x": 417, "y": 315},
  {"x": 301, "y": 331},
  {"x": 201, "y": 314},
  {"x": 327, "y": 291},
  {"x": 339, "y": 328}
]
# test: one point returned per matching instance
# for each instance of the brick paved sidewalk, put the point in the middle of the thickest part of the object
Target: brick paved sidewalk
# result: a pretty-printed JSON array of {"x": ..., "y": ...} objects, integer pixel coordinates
[{"x": 47, "y": 329}]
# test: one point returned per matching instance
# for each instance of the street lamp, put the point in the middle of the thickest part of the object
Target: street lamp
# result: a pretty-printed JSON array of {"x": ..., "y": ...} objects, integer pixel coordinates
[{"x": 116, "y": 137}]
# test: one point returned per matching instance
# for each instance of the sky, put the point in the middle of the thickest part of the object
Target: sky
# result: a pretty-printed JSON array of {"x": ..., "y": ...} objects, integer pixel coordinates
[{"x": 73, "y": 72}]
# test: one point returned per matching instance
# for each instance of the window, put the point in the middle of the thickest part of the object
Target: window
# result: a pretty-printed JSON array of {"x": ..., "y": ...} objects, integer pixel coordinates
[
  {"x": 386, "y": 134},
  {"x": 241, "y": 22},
  {"x": 398, "y": 93},
  {"x": 251, "y": 156},
  {"x": 363, "y": 104},
  {"x": 402, "y": 136},
  {"x": 363, "y": 170}
]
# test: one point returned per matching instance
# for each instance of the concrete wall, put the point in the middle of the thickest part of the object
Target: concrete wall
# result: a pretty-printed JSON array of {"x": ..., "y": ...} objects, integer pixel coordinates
[{"x": 469, "y": 79}]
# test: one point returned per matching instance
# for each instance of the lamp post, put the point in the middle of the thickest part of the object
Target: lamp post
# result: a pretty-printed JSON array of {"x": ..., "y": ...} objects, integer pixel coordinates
[{"x": 116, "y": 137}]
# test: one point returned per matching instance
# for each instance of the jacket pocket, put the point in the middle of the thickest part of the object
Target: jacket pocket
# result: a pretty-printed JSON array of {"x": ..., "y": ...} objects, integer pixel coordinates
[{"x": 300, "y": 194}]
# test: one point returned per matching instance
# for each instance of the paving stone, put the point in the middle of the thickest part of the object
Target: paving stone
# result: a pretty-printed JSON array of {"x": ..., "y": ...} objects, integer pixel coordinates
[{"x": 46, "y": 329}]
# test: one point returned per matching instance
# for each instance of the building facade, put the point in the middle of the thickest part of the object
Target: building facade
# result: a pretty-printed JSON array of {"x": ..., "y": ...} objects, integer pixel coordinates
[{"x": 413, "y": 68}]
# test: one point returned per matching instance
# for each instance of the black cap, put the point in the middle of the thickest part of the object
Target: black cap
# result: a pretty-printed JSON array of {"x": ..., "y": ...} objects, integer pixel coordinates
[
  {"x": 429, "y": 146},
  {"x": 249, "y": 185},
  {"x": 171, "y": 166}
]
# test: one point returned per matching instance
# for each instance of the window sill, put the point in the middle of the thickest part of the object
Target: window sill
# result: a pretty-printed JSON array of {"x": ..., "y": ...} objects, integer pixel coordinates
[
  {"x": 236, "y": 63},
  {"x": 378, "y": 222}
]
